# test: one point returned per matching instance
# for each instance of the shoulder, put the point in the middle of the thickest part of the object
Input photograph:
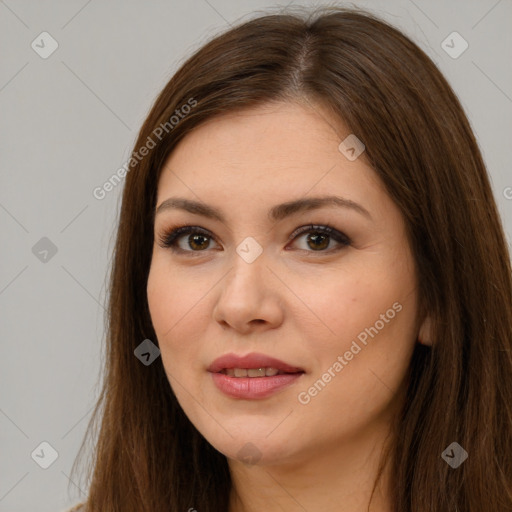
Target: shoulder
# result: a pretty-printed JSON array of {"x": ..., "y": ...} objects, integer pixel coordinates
[{"x": 80, "y": 507}]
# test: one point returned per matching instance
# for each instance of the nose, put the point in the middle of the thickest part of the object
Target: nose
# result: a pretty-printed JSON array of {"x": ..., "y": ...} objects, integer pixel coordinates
[{"x": 249, "y": 297}]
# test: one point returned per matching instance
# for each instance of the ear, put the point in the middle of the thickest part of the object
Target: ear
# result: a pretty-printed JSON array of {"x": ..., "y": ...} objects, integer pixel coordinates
[{"x": 425, "y": 332}]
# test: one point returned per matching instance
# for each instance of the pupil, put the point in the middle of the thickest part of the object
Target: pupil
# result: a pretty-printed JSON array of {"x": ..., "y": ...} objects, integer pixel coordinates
[
  {"x": 315, "y": 238},
  {"x": 195, "y": 237}
]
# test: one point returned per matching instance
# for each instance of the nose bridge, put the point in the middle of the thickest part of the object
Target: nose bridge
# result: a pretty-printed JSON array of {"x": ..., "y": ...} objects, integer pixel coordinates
[
  {"x": 247, "y": 294},
  {"x": 249, "y": 266}
]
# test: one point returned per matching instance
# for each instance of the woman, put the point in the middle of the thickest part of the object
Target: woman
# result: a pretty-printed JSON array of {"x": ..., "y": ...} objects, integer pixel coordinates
[{"x": 311, "y": 298}]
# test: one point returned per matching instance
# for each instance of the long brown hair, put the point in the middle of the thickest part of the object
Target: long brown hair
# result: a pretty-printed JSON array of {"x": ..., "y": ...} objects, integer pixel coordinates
[{"x": 149, "y": 456}]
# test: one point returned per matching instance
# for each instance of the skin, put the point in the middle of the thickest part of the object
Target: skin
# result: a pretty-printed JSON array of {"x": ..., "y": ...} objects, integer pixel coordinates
[{"x": 295, "y": 303}]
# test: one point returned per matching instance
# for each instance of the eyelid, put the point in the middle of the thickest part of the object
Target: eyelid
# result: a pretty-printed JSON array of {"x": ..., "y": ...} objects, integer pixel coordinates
[{"x": 322, "y": 228}]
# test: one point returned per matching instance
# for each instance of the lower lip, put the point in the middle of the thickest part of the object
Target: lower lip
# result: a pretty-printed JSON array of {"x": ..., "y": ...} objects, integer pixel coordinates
[{"x": 253, "y": 387}]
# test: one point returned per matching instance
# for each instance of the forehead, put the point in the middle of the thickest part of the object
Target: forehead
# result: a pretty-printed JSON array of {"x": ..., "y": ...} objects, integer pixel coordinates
[
  {"x": 269, "y": 153},
  {"x": 281, "y": 132}
]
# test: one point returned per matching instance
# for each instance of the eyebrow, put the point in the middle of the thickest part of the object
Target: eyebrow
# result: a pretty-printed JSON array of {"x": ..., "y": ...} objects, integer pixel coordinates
[{"x": 276, "y": 213}]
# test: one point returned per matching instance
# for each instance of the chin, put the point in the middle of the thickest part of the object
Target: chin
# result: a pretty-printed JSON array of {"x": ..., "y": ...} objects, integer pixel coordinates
[{"x": 257, "y": 450}]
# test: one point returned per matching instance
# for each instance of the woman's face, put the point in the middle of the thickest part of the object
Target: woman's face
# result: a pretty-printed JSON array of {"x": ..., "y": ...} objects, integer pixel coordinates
[{"x": 339, "y": 307}]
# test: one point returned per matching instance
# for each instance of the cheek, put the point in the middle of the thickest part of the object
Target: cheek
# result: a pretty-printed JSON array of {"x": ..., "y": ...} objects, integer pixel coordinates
[
  {"x": 338, "y": 306},
  {"x": 375, "y": 355},
  {"x": 171, "y": 295},
  {"x": 176, "y": 308},
  {"x": 162, "y": 300},
  {"x": 365, "y": 314},
  {"x": 176, "y": 303}
]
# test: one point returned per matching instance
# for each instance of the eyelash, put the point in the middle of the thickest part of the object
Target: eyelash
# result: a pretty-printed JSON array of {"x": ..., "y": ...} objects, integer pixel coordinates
[{"x": 170, "y": 238}]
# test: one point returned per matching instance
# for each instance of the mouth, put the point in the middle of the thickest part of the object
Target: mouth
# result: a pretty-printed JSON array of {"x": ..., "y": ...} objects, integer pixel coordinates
[
  {"x": 255, "y": 372},
  {"x": 253, "y": 376},
  {"x": 253, "y": 365}
]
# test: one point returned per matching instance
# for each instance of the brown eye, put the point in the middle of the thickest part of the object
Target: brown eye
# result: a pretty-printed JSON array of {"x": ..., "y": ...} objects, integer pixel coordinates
[
  {"x": 318, "y": 238},
  {"x": 197, "y": 241}
]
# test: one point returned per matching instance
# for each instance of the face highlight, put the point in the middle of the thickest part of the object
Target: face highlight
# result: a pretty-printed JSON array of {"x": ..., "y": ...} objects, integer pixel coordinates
[{"x": 251, "y": 275}]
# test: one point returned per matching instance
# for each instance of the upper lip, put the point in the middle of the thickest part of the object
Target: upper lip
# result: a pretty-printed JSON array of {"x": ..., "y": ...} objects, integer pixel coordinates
[{"x": 253, "y": 360}]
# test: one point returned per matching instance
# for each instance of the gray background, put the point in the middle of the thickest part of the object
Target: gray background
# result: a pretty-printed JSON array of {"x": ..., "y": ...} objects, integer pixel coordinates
[{"x": 69, "y": 122}]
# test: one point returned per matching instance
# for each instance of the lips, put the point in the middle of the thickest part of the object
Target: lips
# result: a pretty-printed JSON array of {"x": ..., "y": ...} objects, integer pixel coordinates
[{"x": 253, "y": 360}]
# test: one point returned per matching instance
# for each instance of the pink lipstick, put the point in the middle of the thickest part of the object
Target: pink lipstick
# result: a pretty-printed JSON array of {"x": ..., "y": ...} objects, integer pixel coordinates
[{"x": 253, "y": 376}]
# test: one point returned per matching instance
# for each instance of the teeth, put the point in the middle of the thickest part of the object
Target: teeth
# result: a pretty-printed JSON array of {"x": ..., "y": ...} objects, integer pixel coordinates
[{"x": 251, "y": 372}]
